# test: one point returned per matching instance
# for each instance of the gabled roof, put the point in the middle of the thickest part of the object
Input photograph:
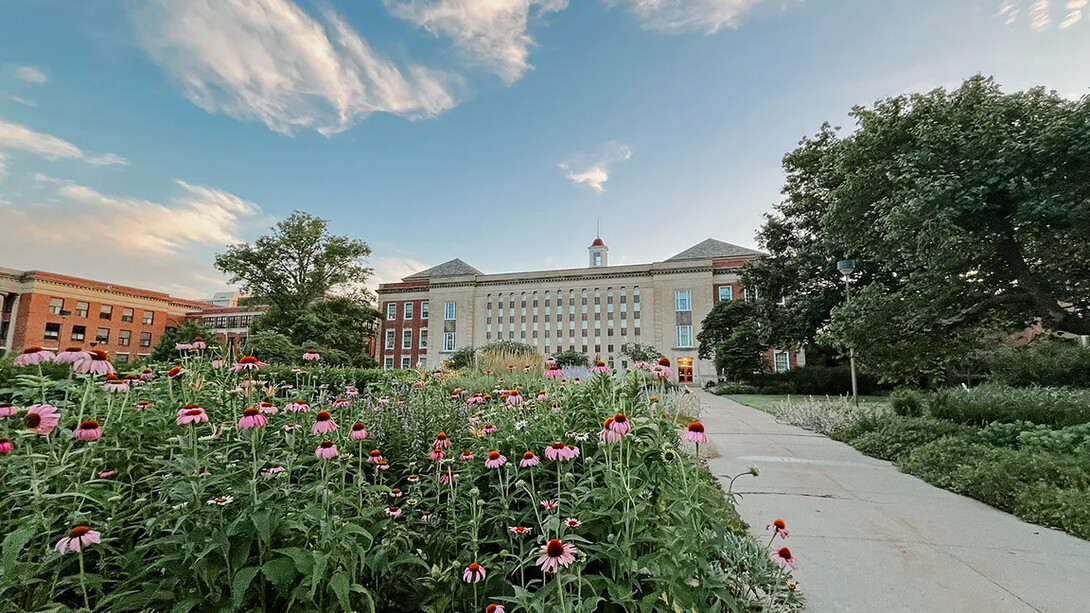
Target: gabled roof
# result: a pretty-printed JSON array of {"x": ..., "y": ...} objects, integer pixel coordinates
[
  {"x": 711, "y": 248},
  {"x": 453, "y": 268}
]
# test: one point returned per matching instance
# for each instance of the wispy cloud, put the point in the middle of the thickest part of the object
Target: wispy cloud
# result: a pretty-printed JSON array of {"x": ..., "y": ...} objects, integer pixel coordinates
[
  {"x": 2, "y": 167},
  {"x": 493, "y": 32},
  {"x": 1042, "y": 14},
  {"x": 129, "y": 240},
  {"x": 593, "y": 168},
  {"x": 31, "y": 74},
  {"x": 271, "y": 61},
  {"x": 19, "y": 137},
  {"x": 708, "y": 16},
  {"x": 22, "y": 101}
]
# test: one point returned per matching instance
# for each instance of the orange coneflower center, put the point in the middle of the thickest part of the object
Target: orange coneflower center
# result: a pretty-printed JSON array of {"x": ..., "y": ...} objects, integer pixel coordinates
[
  {"x": 326, "y": 444},
  {"x": 266, "y": 404},
  {"x": 78, "y": 531},
  {"x": 529, "y": 455},
  {"x": 191, "y": 406},
  {"x": 514, "y": 392},
  {"x": 356, "y": 427},
  {"x": 196, "y": 411},
  {"x": 111, "y": 378},
  {"x": 143, "y": 404},
  {"x": 599, "y": 363},
  {"x": 72, "y": 349},
  {"x": 375, "y": 453},
  {"x": 98, "y": 355},
  {"x": 395, "y": 491},
  {"x": 779, "y": 523},
  {"x": 784, "y": 553},
  {"x": 490, "y": 609},
  {"x": 88, "y": 424},
  {"x": 198, "y": 339},
  {"x": 620, "y": 418},
  {"x": 174, "y": 372},
  {"x": 442, "y": 436},
  {"x": 474, "y": 567},
  {"x": 322, "y": 416},
  {"x": 557, "y": 445},
  {"x": 130, "y": 377},
  {"x": 605, "y": 424},
  {"x": 493, "y": 455},
  {"x": 146, "y": 371},
  {"x": 664, "y": 361},
  {"x": 32, "y": 420},
  {"x": 554, "y": 549},
  {"x": 696, "y": 427},
  {"x": 251, "y": 411},
  {"x": 32, "y": 349},
  {"x": 247, "y": 359}
]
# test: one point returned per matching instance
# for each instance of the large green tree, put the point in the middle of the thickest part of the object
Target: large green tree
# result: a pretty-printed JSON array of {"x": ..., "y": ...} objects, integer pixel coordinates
[
  {"x": 733, "y": 335},
  {"x": 968, "y": 210}
]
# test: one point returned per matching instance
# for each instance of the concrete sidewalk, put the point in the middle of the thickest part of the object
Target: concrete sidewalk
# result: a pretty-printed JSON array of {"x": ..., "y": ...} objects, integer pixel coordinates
[{"x": 870, "y": 538}]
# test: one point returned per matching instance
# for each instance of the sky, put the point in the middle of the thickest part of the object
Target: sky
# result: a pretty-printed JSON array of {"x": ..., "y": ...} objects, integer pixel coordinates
[{"x": 138, "y": 138}]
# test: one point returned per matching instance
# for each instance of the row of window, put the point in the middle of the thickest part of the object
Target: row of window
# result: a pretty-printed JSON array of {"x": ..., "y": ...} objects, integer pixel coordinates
[
  {"x": 407, "y": 308},
  {"x": 105, "y": 311},
  {"x": 583, "y": 294},
  {"x": 406, "y": 362},
  {"x": 229, "y": 321},
  {"x": 102, "y": 335},
  {"x": 406, "y": 339}
]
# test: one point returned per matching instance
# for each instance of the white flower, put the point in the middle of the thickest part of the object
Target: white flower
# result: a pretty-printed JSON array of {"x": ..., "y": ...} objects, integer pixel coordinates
[
  {"x": 519, "y": 425},
  {"x": 222, "y": 500}
]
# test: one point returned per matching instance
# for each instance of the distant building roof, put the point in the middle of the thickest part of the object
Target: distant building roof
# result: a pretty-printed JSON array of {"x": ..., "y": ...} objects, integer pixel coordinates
[
  {"x": 453, "y": 268},
  {"x": 598, "y": 242},
  {"x": 712, "y": 248}
]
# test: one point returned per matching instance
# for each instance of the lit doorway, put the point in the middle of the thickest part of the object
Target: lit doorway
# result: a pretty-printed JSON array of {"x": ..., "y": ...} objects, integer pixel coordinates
[{"x": 684, "y": 370}]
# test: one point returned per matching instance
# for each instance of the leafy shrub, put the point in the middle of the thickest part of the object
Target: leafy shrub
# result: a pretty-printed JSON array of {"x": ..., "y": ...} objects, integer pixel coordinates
[
  {"x": 817, "y": 380},
  {"x": 1063, "y": 509},
  {"x": 462, "y": 358},
  {"x": 907, "y": 402},
  {"x": 826, "y": 415},
  {"x": 896, "y": 437},
  {"x": 1073, "y": 439},
  {"x": 731, "y": 387},
  {"x": 989, "y": 403},
  {"x": 1045, "y": 362},
  {"x": 571, "y": 357},
  {"x": 1005, "y": 434}
]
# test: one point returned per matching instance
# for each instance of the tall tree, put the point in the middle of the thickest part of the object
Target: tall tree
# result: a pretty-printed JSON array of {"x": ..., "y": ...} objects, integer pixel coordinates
[{"x": 732, "y": 334}]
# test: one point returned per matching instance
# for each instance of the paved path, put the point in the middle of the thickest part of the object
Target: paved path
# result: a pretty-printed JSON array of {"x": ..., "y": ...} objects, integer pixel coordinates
[{"x": 870, "y": 538}]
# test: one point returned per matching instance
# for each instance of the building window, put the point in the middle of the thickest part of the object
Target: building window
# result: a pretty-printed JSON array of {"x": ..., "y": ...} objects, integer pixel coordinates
[
  {"x": 407, "y": 312},
  {"x": 406, "y": 361},
  {"x": 82, "y": 308},
  {"x": 424, "y": 338},
  {"x": 424, "y": 310},
  {"x": 123, "y": 337},
  {"x": 56, "y": 305},
  {"x": 749, "y": 294},
  {"x": 683, "y": 300},
  {"x": 781, "y": 360},
  {"x": 145, "y": 339},
  {"x": 121, "y": 357},
  {"x": 149, "y": 317},
  {"x": 79, "y": 333},
  {"x": 390, "y": 339},
  {"x": 726, "y": 292},
  {"x": 102, "y": 336},
  {"x": 391, "y": 311},
  {"x": 450, "y": 310},
  {"x": 105, "y": 311},
  {"x": 422, "y": 362},
  {"x": 406, "y": 339},
  {"x": 126, "y": 315},
  {"x": 388, "y": 362},
  {"x": 52, "y": 332},
  {"x": 448, "y": 341}
]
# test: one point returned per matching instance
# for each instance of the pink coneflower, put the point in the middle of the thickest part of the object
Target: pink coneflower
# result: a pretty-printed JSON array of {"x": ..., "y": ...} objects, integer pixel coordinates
[
  {"x": 495, "y": 459},
  {"x": 465, "y": 455},
  {"x": 323, "y": 422},
  {"x": 106, "y": 474},
  {"x": 474, "y": 573},
  {"x": 96, "y": 363},
  {"x": 664, "y": 370},
  {"x": 273, "y": 471},
  {"x": 784, "y": 557},
  {"x": 175, "y": 372},
  {"x": 6, "y": 445},
  {"x": 553, "y": 372},
  {"x": 248, "y": 362},
  {"x": 326, "y": 450},
  {"x": 143, "y": 405},
  {"x": 340, "y": 403},
  {"x": 359, "y": 432},
  {"x": 396, "y": 493},
  {"x": 529, "y": 459},
  {"x": 290, "y": 427},
  {"x": 477, "y": 398},
  {"x": 147, "y": 374},
  {"x": 555, "y": 554},
  {"x": 442, "y": 441},
  {"x": 88, "y": 430},
  {"x": 510, "y": 367},
  {"x": 311, "y": 355},
  {"x": 393, "y": 511},
  {"x": 779, "y": 526},
  {"x": 413, "y": 478},
  {"x": 351, "y": 391},
  {"x": 375, "y": 456},
  {"x": 514, "y": 398},
  {"x": 78, "y": 538},
  {"x": 218, "y": 362},
  {"x": 600, "y": 367},
  {"x": 575, "y": 380},
  {"x": 554, "y": 407},
  {"x": 382, "y": 465},
  {"x": 267, "y": 408},
  {"x": 72, "y": 355},
  {"x": 556, "y": 451},
  {"x": 436, "y": 454},
  {"x": 383, "y": 399},
  {"x": 34, "y": 355},
  {"x": 418, "y": 385},
  {"x": 519, "y": 530},
  {"x": 190, "y": 414},
  {"x": 548, "y": 505},
  {"x": 571, "y": 522},
  {"x": 131, "y": 380},
  {"x": 607, "y": 434},
  {"x": 488, "y": 429},
  {"x": 448, "y": 477},
  {"x": 41, "y": 418},
  {"x": 198, "y": 343},
  {"x": 7, "y": 409},
  {"x": 183, "y": 346},
  {"x": 572, "y": 452},
  {"x": 113, "y": 384},
  {"x": 620, "y": 424},
  {"x": 543, "y": 395},
  {"x": 252, "y": 418},
  {"x": 695, "y": 434},
  {"x": 296, "y": 405}
]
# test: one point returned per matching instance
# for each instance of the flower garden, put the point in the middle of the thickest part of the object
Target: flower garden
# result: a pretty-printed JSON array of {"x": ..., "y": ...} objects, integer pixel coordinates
[{"x": 208, "y": 486}]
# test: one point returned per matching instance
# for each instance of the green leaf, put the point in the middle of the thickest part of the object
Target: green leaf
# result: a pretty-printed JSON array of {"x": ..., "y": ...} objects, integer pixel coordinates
[
  {"x": 12, "y": 546},
  {"x": 261, "y": 523},
  {"x": 184, "y": 606},
  {"x": 242, "y": 581},
  {"x": 304, "y": 560},
  {"x": 279, "y": 571},
  {"x": 340, "y": 584}
]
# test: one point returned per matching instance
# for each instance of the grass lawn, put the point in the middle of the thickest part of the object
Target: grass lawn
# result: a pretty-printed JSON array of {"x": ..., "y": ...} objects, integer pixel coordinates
[{"x": 765, "y": 402}]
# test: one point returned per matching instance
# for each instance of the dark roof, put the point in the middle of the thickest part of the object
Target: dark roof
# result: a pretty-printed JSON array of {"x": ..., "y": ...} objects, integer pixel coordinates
[
  {"x": 598, "y": 243},
  {"x": 453, "y": 268},
  {"x": 711, "y": 248}
]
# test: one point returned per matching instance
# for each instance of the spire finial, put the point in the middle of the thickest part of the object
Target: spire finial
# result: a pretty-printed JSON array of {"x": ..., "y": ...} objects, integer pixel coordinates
[{"x": 598, "y": 228}]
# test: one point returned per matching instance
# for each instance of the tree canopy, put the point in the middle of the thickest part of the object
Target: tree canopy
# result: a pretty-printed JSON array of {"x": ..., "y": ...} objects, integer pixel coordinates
[
  {"x": 968, "y": 211},
  {"x": 731, "y": 334}
]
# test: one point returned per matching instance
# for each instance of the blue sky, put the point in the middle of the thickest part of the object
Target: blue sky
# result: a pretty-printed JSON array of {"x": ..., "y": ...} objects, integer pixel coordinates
[{"x": 137, "y": 138}]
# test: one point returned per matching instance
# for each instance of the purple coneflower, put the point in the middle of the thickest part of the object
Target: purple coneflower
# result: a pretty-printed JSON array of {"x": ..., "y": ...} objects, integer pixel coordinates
[
  {"x": 495, "y": 459},
  {"x": 474, "y": 573},
  {"x": 359, "y": 432},
  {"x": 297, "y": 405},
  {"x": 778, "y": 526},
  {"x": 7, "y": 409},
  {"x": 248, "y": 362},
  {"x": 113, "y": 384},
  {"x": 72, "y": 355},
  {"x": 442, "y": 441},
  {"x": 190, "y": 414},
  {"x": 784, "y": 558},
  {"x": 252, "y": 418},
  {"x": 95, "y": 363},
  {"x": 88, "y": 430},
  {"x": 326, "y": 450},
  {"x": 555, "y": 554},
  {"x": 695, "y": 434},
  {"x": 529, "y": 459},
  {"x": 34, "y": 355},
  {"x": 311, "y": 355},
  {"x": 78, "y": 538},
  {"x": 41, "y": 418},
  {"x": 323, "y": 422}
]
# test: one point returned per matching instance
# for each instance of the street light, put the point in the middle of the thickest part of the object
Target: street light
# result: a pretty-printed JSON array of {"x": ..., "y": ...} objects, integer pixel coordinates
[{"x": 846, "y": 268}]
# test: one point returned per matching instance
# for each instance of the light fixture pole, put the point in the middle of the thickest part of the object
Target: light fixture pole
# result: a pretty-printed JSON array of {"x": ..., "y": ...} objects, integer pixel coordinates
[{"x": 846, "y": 268}]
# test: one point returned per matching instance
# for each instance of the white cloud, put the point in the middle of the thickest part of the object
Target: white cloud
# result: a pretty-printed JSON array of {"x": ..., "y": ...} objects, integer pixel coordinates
[
  {"x": 495, "y": 32},
  {"x": 129, "y": 240},
  {"x": 2, "y": 158},
  {"x": 593, "y": 168},
  {"x": 271, "y": 61},
  {"x": 708, "y": 16},
  {"x": 15, "y": 136},
  {"x": 392, "y": 269},
  {"x": 22, "y": 101},
  {"x": 31, "y": 74}
]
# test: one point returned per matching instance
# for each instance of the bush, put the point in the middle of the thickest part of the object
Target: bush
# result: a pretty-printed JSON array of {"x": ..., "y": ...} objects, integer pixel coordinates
[
  {"x": 1046, "y": 362},
  {"x": 1067, "y": 510},
  {"x": 897, "y": 437},
  {"x": 990, "y": 403},
  {"x": 826, "y": 415},
  {"x": 1005, "y": 434},
  {"x": 724, "y": 389},
  {"x": 907, "y": 402},
  {"x": 817, "y": 380}
]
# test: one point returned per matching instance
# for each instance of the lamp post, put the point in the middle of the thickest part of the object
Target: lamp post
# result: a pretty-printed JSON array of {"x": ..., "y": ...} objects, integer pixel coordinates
[{"x": 846, "y": 268}]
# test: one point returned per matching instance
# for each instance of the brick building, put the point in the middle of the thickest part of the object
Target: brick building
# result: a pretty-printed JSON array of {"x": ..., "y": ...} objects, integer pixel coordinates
[
  {"x": 229, "y": 324},
  {"x": 595, "y": 310},
  {"x": 56, "y": 311}
]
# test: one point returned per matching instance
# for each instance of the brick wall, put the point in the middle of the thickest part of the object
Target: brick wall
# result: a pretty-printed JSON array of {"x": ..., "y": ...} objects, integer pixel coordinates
[{"x": 398, "y": 325}]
